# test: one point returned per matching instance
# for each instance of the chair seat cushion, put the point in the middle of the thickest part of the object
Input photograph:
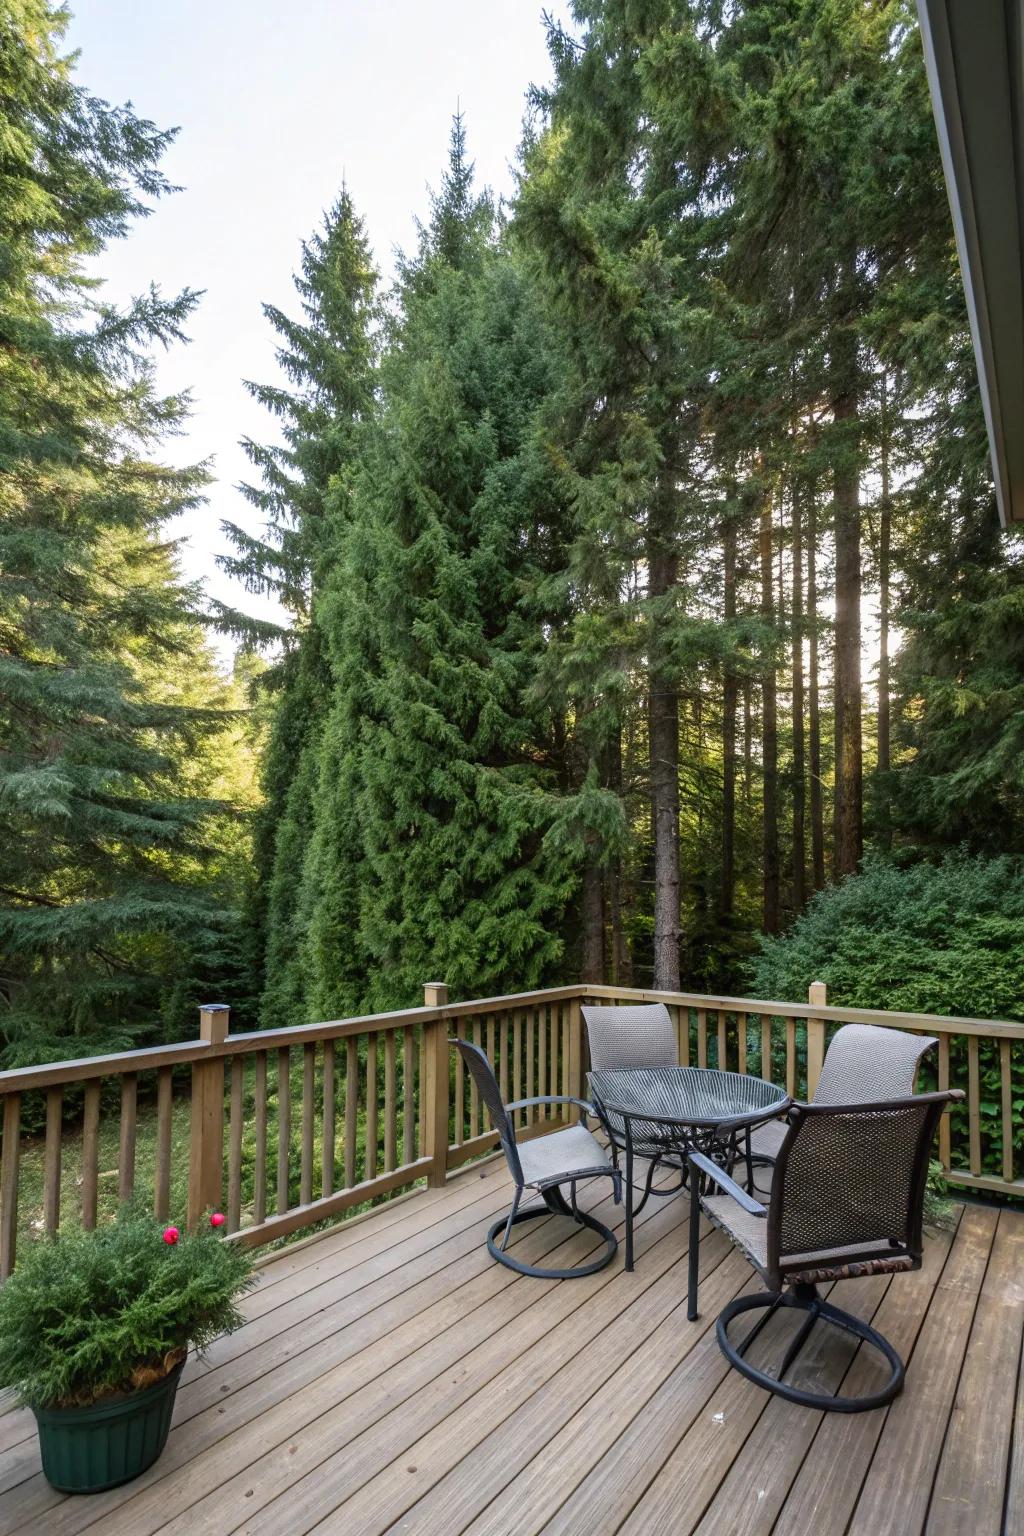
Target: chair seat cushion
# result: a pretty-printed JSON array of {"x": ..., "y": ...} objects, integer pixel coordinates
[
  {"x": 750, "y": 1233},
  {"x": 562, "y": 1155},
  {"x": 766, "y": 1140}
]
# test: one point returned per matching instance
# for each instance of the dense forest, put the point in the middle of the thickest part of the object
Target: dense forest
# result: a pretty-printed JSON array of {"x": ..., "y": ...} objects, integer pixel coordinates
[{"x": 649, "y": 618}]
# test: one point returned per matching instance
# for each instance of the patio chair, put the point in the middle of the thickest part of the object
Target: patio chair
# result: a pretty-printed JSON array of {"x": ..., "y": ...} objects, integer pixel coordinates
[
  {"x": 639, "y": 1035},
  {"x": 543, "y": 1164},
  {"x": 846, "y": 1201},
  {"x": 864, "y": 1062}
]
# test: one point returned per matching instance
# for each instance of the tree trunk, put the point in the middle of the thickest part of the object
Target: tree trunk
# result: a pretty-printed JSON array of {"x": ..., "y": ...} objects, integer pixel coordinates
[
  {"x": 769, "y": 735},
  {"x": 884, "y": 541},
  {"x": 730, "y": 689},
  {"x": 663, "y": 728},
  {"x": 848, "y": 837},
  {"x": 813, "y": 702},
  {"x": 799, "y": 786},
  {"x": 621, "y": 960},
  {"x": 748, "y": 742},
  {"x": 592, "y": 946}
]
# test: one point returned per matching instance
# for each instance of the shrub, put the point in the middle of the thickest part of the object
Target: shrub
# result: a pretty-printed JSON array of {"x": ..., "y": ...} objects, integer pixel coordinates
[
  {"x": 945, "y": 938},
  {"x": 90, "y": 1314}
]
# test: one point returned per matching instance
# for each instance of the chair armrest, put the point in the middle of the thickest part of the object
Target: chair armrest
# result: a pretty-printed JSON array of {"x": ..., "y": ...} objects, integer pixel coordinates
[
  {"x": 555, "y": 1098},
  {"x": 728, "y": 1186},
  {"x": 552, "y": 1098}
]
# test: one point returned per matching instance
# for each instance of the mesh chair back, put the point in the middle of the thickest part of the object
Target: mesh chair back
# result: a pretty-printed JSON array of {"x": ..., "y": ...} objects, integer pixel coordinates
[
  {"x": 639, "y": 1036},
  {"x": 482, "y": 1074},
  {"x": 866, "y": 1062},
  {"x": 851, "y": 1176}
]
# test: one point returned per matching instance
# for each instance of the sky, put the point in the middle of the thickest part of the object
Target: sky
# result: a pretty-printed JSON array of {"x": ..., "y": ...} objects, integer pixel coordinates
[{"x": 277, "y": 103}]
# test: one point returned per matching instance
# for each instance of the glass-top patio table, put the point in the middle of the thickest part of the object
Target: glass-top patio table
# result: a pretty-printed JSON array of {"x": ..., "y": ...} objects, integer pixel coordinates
[{"x": 662, "y": 1113}]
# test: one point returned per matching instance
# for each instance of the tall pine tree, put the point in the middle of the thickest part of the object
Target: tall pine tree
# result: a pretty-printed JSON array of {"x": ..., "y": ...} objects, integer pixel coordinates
[{"x": 116, "y": 888}]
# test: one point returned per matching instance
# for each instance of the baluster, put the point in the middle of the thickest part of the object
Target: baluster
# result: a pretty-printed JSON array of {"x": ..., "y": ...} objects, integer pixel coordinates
[
  {"x": 126, "y": 1153},
  {"x": 327, "y": 1156},
  {"x": 791, "y": 1057},
  {"x": 370, "y": 1165},
  {"x": 90, "y": 1154},
  {"x": 408, "y": 1100},
  {"x": 702, "y": 1037},
  {"x": 259, "y": 1193},
  {"x": 766, "y": 1048},
  {"x": 531, "y": 1047},
  {"x": 1007, "y": 1109},
  {"x": 474, "y": 1096},
  {"x": 390, "y": 1104},
  {"x": 459, "y": 1106},
  {"x": 542, "y": 1062},
  {"x": 723, "y": 1057},
  {"x": 503, "y": 1058},
  {"x": 741, "y": 1042},
  {"x": 51, "y": 1160},
  {"x": 943, "y": 1084},
  {"x": 235, "y": 1126},
  {"x": 351, "y": 1108},
  {"x": 517, "y": 1064},
  {"x": 164, "y": 1133},
  {"x": 308, "y": 1123},
  {"x": 9, "y": 1182},
  {"x": 973, "y": 1104},
  {"x": 284, "y": 1126}
]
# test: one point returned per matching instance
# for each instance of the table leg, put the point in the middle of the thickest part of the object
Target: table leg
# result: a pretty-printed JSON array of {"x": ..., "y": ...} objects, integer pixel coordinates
[{"x": 629, "y": 1197}]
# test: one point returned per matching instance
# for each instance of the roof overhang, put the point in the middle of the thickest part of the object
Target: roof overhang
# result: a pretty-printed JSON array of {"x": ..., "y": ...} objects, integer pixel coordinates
[{"x": 974, "y": 51}]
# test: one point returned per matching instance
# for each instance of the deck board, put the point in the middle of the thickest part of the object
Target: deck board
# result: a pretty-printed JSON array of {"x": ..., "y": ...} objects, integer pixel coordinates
[{"x": 392, "y": 1378}]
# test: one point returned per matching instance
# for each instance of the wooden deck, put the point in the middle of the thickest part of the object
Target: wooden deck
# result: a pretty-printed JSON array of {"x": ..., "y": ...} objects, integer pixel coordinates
[{"x": 392, "y": 1378}]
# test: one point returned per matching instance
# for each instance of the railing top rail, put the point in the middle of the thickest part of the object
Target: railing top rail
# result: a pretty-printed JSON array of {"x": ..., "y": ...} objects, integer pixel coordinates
[
  {"x": 939, "y": 1023},
  {"x": 82, "y": 1069}
]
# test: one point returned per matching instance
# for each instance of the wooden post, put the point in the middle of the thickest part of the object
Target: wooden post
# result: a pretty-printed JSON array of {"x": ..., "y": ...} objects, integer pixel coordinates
[
  {"x": 817, "y": 996},
  {"x": 435, "y": 1086},
  {"x": 206, "y": 1150},
  {"x": 575, "y": 1044}
]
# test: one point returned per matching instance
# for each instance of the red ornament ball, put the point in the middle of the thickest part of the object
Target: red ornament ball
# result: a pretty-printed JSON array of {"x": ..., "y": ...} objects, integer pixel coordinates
[
  {"x": 217, "y": 1219},
  {"x": 171, "y": 1234}
]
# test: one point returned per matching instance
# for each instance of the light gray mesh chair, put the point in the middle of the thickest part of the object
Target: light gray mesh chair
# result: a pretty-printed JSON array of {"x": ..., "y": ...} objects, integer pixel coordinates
[
  {"x": 543, "y": 1164},
  {"x": 846, "y": 1201},
  {"x": 636, "y": 1035},
  {"x": 863, "y": 1063}
]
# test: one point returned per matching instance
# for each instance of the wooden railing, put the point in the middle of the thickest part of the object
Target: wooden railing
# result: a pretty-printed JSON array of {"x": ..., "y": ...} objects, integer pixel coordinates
[{"x": 286, "y": 1128}]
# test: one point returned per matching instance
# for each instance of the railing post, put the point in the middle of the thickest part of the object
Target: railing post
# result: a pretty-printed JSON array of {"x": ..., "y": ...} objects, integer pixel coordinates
[
  {"x": 817, "y": 996},
  {"x": 435, "y": 1086},
  {"x": 206, "y": 1148},
  {"x": 575, "y": 1054}
]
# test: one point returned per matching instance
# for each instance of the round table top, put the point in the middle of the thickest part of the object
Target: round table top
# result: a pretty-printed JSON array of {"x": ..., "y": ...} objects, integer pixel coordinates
[{"x": 700, "y": 1096}]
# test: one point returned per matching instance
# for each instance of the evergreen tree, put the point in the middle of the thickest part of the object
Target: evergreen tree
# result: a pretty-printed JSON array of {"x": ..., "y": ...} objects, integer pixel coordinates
[
  {"x": 116, "y": 887},
  {"x": 439, "y": 775},
  {"x": 327, "y": 357}
]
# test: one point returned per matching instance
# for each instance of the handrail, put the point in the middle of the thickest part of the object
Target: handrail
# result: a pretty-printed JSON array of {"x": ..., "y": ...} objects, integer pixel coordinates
[
  {"x": 292, "y": 1126},
  {"x": 944, "y": 1023}
]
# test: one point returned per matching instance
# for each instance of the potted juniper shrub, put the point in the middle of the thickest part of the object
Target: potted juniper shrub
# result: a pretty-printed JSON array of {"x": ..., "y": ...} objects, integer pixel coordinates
[{"x": 95, "y": 1328}]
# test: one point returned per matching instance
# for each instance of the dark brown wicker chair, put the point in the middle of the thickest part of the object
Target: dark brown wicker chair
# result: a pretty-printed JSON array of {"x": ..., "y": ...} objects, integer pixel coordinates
[
  {"x": 544, "y": 1164},
  {"x": 864, "y": 1062},
  {"x": 846, "y": 1201}
]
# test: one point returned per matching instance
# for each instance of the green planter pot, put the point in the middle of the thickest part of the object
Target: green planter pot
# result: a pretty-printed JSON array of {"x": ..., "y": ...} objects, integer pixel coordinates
[{"x": 85, "y": 1450}]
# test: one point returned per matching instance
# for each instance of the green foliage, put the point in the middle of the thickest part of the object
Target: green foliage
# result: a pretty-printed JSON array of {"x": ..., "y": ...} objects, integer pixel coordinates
[
  {"x": 961, "y": 676},
  {"x": 328, "y": 357},
  {"x": 89, "y": 1314},
  {"x": 932, "y": 938},
  {"x": 120, "y": 868},
  {"x": 942, "y": 938},
  {"x": 440, "y": 862}
]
